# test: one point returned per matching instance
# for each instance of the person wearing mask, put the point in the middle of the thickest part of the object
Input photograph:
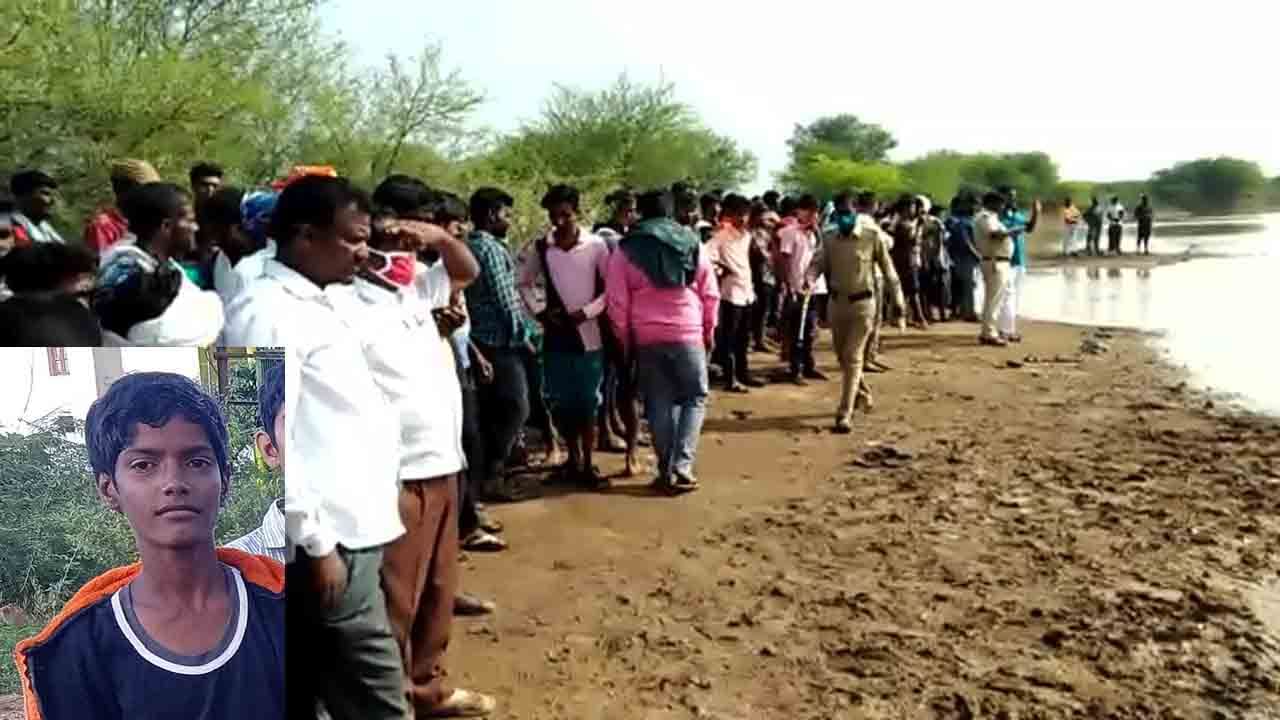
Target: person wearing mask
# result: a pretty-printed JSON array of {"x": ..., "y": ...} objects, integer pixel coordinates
[
  {"x": 142, "y": 296},
  {"x": 502, "y": 332},
  {"x": 340, "y": 425},
  {"x": 1146, "y": 219},
  {"x": 107, "y": 226},
  {"x": 1093, "y": 217},
  {"x": 848, "y": 251},
  {"x": 571, "y": 263},
  {"x": 1019, "y": 227},
  {"x": 997, "y": 252},
  {"x": 1115, "y": 226},
  {"x": 663, "y": 302},
  {"x": 395, "y": 300},
  {"x": 36, "y": 196},
  {"x": 798, "y": 243}
]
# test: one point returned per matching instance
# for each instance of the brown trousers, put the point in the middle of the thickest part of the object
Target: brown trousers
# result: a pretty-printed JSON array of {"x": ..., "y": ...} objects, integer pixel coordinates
[{"x": 420, "y": 578}]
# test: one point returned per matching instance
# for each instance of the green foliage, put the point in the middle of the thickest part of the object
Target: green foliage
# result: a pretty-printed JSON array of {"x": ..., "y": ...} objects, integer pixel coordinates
[
  {"x": 1217, "y": 185},
  {"x": 10, "y": 683},
  {"x": 58, "y": 535},
  {"x": 825, "y": 176},
  {"x": 841, "y": 136}
]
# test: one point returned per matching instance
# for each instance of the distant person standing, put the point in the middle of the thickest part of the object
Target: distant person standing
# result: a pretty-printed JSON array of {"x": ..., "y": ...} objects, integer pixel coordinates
[
  {"x": 1019, "y": 227},
  {"x": 1146, "y": 218},
  {"x": 965, "y": 258},
  {"x": 206, "y": 179},
  {"x": 1093, "y": 219},
  {"x": 36, "y": 195},
  {"x": 1071, "y": 225},
  {"x": 1115, "y": 226}
]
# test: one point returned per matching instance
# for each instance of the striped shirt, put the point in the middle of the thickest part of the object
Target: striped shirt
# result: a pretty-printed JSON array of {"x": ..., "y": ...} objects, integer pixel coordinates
[{"x": 268, "y": 539}]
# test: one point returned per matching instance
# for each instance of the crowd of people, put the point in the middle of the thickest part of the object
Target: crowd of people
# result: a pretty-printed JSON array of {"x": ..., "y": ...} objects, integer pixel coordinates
[{"x": 411, "y": 320}]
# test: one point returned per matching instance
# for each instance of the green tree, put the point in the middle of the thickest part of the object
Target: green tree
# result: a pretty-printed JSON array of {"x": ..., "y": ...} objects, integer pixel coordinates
[
  {"x": 841, "y": 136},
  {"x": 825, "y": 176},
  {"x": 1216, "y": 185}
]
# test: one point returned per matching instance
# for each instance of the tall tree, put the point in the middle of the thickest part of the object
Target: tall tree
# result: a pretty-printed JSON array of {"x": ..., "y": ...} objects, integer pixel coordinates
[
  {"x": 841, "y": 136},
  {"x": 1210, "y": 185}
]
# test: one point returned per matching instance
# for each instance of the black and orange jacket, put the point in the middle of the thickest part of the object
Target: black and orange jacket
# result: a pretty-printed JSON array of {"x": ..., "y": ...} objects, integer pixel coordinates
[{"x": 70, "y": 645}]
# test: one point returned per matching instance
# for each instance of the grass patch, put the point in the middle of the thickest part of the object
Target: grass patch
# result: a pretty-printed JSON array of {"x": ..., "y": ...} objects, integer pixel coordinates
[{"x": 10, "y": 684}]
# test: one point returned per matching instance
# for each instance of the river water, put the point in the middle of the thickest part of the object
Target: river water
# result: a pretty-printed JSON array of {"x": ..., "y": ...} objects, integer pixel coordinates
[{"x": 1215, "y": 314}]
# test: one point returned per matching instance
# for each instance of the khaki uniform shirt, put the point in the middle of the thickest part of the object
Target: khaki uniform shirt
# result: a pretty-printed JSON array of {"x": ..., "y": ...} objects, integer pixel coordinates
[{"x": 849, "y": 263}]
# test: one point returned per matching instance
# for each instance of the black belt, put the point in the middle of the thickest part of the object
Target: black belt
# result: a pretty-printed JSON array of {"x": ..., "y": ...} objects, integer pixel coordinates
[
  {"x": 856, "y": 297},
  {"x": 997, "y": 259}
]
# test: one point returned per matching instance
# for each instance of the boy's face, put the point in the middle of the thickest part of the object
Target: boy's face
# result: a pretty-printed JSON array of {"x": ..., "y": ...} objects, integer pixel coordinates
[
  {"x": 168, "y": 484},
  {"x": 273, "y": 451}
]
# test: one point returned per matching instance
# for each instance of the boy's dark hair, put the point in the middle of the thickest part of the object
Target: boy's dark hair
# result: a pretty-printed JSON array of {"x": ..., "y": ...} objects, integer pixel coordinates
[
  {"x": 866, "y": 199},
  {"x": 488, "y": 200},
  {"x": 153, "y": 398},
  {"x": 204, "y": 170},
  {"x": 842, "y": 197},
  {"x": 807, "y": 202},
  {"x": 654, "y": 204},
  {"x": 147, "y": 206},
  {"x": 402, "y": 195},
  {"x": 787, "y": 206},
  {"x": 222, "y": 208},
  {"x": 708, "y": 203},
  {"x": 271, "y": 398},
  {"x": 41, "y": 267},
  {"x": 771, "y": 198},
  {"x": 683, "y": 197},
  {"x": 25, "y": 182},
  {"x": 313, "y": 200},
  {"x": 558, "y": 194},
  {"x": 446, "y": 207},
  {"x": 734, "y": 204}
]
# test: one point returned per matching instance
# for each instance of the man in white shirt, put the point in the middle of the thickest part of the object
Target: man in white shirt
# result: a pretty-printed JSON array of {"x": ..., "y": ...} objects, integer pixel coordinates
[
  {"x": 392, "y": 300},
  {"x": 342, "y": 497},
  {"x": 996, "y": 246},
  {"x": 1115, "y": 225}
]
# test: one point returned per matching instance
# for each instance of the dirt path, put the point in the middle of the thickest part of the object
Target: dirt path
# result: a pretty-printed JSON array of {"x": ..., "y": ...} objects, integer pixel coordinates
[{"x": 1039, "y": 541}]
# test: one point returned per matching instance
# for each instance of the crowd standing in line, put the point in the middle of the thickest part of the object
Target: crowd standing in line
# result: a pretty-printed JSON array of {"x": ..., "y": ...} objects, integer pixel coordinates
[{"x": 411, "y": 320}]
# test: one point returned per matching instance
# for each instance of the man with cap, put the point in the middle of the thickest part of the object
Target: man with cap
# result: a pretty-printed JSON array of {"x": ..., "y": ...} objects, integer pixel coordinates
[
  {"x": 35, "y": 193},
  {"x": 108, "y": 226}
]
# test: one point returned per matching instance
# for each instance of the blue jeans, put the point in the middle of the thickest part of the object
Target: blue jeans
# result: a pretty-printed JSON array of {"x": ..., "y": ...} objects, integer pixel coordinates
[{"x": 673, "y": 381}]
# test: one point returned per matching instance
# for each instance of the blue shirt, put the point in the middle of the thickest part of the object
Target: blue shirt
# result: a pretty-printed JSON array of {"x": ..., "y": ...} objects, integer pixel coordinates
[
  {"x": 959, "y": 236},
  {"x": 1015, "y": 221},
  {"x": 497, "y": 314}
]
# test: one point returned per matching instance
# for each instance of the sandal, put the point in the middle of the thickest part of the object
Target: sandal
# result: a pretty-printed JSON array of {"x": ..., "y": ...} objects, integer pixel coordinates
[
  {"x": 481, "y": 541},
  {"x": 488, "y": 524},
  {"x": 592, "y": 479},
  {"x": 463, "y": 703},
  {"x": 465, "y": 605}
]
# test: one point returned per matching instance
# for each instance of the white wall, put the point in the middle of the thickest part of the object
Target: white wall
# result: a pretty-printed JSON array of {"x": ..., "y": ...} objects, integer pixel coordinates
[{"x": 28, "y": 392}]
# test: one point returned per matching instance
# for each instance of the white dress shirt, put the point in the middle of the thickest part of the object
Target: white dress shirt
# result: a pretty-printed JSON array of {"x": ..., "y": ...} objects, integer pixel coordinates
[
  {"x": 229, "y": 281},
  {"x": 343, "y": 435},
  {"x": 413, "y": 365}
]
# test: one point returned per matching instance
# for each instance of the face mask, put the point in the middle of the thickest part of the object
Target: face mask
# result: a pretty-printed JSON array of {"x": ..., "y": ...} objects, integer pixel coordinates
[
  {"x": 396, "y": 268},
  {"x": 846, "y": 221}
]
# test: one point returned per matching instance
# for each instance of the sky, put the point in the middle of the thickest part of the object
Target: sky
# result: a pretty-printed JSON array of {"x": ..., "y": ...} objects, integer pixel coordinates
[{"x": 1111, "y": 90}]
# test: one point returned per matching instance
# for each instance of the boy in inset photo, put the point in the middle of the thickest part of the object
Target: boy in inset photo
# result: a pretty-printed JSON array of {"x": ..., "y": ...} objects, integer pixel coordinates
[{"x": 190, "y": 631}]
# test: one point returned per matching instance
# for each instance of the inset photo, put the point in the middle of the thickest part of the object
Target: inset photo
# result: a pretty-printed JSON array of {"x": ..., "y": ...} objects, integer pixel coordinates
[{"x": 141, "y": 517}]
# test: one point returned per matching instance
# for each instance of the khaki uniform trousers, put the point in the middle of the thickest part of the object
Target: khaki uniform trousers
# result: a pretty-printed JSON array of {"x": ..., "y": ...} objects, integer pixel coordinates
[{"x": 852, "y": 324}]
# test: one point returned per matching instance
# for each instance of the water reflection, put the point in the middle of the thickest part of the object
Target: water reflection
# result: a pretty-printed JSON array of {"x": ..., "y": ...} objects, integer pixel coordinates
[{"x": 1213, "y": 313}]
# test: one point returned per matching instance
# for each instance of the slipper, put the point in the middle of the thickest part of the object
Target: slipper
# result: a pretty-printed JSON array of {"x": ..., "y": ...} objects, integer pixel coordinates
[
  {"x": 465, "y": 605},
  {"x": 592, "y": 479},
  {"x": 481, "y": 541},
  {"x": 463, "y": 703}
]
